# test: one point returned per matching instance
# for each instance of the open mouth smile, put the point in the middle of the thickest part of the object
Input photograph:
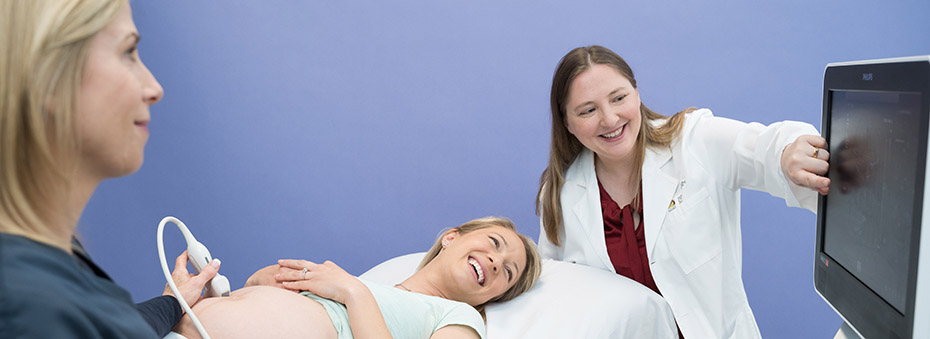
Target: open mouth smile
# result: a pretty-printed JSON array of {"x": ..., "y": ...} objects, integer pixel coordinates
[
  {"x": 479, "y": 271},
  {"x": 614, "y": 134}
]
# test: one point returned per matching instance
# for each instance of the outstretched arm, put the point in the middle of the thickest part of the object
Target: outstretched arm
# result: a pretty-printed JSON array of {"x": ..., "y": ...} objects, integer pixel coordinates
[
  {"x": 775, "y": 158},
  {"x": 330, "y": 281}
]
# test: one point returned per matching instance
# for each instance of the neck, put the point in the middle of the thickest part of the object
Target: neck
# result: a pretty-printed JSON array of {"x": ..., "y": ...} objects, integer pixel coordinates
[
  {"x": 423, "y": 282},
  {"x": 616, "y": 171},
  {"x": 65, "y": 210},
  {"x": 616, "y": 177}
]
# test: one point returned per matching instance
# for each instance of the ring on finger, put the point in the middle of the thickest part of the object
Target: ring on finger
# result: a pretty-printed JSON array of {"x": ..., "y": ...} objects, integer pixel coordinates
[
  {"x": 816, "y": 152},
  {"x": 303, "y": 274}
]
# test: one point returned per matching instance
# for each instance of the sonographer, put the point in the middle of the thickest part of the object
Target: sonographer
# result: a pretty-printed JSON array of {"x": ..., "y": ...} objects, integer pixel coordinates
[
  {"x": 656, "y": 198},
  {"x": 74, "y": 110}
]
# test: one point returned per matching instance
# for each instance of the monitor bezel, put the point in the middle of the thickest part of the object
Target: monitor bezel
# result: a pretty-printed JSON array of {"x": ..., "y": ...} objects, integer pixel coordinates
[{"x": 865, "y": 311}]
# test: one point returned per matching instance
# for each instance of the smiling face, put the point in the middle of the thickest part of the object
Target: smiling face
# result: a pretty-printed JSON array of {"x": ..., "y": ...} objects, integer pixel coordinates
[
  {"x": 602, "y": 112},
  {"x": 482, "y": 264},
  {"x": 113, "y": 102}
]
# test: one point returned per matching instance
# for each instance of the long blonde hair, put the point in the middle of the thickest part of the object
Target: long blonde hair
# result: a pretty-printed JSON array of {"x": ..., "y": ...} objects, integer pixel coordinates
[
  {"x": 533, "y": 261},
  {"x": 564, "y": 147},
  {"x": 43, "y": 48}
]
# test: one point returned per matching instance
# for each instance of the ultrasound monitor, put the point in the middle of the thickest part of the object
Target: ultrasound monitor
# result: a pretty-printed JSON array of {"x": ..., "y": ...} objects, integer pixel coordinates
[{"x": 873, "y": 262}]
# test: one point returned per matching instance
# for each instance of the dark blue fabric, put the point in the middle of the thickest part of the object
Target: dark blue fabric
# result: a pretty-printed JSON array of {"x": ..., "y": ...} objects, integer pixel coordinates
[
  {"x": 46, "y": 292},
  {"x": 161, "y": 313}
]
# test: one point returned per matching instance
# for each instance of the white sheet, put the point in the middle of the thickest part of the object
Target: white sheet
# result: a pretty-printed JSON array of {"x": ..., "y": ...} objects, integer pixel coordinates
[{"x": 569, "y": 301}]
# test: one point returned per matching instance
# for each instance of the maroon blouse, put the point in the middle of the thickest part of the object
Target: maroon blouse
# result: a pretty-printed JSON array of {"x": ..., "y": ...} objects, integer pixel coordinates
[{"x": 626, "y": 245}]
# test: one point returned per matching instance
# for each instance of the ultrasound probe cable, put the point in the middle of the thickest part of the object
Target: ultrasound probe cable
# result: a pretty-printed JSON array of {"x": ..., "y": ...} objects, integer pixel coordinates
[{"x": 199, "y": 257}]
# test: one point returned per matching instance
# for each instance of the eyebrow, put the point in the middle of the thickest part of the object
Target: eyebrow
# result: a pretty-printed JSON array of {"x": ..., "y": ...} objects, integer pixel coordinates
[
  {"x": 502, "y": 238},
  {"x": 612, "y": 93},
  {"x": 134, "y": 36}
]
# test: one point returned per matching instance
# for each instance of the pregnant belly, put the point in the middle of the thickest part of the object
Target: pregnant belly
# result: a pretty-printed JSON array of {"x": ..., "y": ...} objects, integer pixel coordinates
[{"x": 259, "y": 312}]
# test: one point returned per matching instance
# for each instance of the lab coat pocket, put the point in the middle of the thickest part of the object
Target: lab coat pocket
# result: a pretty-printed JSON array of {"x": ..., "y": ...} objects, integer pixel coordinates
[{"x": 693, "y": 230}]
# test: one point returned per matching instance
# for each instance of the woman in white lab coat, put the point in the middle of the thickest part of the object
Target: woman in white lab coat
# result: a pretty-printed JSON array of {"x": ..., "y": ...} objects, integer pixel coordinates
[{"x": 656, "y": 198}]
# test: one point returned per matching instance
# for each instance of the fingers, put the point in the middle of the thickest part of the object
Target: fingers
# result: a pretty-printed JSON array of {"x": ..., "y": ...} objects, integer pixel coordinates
[
  {"x": 296, "y": 275},
  {"x": 208, "y": 272},
  {"x": 290, "y": 274},
  {"x": 814, "y": 140},
  {"x": 812, "y": 179},
  {"x": 298, "y": 285},
  {"x": 295, "y": 264},
  {"x": 819, "y": 165},
  {"x": 190, "y": 286},
  {"x": 293, "y": 270},
  {"x": 180, "y": 264},
  {"x": 806, "y": 162},
  {"x": 813, "y": 146},
  {"x": 820, "y": 154}
]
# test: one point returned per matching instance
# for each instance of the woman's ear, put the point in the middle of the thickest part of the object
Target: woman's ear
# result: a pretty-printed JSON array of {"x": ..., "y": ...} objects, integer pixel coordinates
[{"x": 449, "y": 238}]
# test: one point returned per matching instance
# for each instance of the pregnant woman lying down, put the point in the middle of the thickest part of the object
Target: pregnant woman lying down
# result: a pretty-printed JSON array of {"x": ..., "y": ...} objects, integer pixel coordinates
[{"x": 482, "y": 261}]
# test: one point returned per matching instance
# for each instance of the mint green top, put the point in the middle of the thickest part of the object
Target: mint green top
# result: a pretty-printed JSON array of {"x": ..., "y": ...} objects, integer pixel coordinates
[{"x": 407, "y": 314}]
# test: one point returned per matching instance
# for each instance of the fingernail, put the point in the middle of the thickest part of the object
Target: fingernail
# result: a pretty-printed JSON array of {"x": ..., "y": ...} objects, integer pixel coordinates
[{"x": 215, "y": 263}]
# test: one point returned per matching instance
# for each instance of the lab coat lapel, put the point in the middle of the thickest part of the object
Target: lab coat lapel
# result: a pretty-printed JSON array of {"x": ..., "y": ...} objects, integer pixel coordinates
[
  {"x": 658, "y": 189},
  {"x": 587, "y": 208}
]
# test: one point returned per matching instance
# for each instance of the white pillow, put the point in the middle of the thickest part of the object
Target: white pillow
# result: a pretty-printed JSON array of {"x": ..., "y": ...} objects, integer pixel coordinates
[{"x": 568, "y": 301}]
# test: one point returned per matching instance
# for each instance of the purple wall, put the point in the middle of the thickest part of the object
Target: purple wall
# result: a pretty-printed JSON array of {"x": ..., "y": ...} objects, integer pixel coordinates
[{"x": 355, "y": 131}]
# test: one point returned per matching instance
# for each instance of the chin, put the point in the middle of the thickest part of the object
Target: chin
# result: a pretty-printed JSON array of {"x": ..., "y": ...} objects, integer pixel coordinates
[
  {"x": 127, "y": 169},
  {"x": 135, "y": 167}
]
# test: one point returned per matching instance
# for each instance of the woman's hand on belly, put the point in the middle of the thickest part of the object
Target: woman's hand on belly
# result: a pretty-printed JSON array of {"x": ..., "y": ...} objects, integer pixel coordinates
[
  {"x": 326, "y": 280},
  {"x": 330, "y": 281}
]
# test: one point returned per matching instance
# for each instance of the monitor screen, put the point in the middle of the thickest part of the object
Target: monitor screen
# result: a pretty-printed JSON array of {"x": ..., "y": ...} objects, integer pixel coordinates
[
  {"x": 869, "y": 265},
  {"x": 874, "y": 152}
]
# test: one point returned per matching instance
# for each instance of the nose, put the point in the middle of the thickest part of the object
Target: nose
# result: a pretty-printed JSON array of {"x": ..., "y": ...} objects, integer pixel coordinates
[
  {"x": 152, "y": 91},
  {"x": 609, "y": 118},
  {"x": 493, "y": 263}
]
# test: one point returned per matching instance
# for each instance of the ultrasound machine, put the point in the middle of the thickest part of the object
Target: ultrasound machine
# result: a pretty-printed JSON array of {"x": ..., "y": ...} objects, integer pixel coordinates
[{"x": 872, "y": 263}]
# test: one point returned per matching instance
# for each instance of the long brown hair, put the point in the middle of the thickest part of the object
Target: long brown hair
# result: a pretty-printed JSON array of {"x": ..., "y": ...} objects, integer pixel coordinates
[{"x": 564, "y": 147}]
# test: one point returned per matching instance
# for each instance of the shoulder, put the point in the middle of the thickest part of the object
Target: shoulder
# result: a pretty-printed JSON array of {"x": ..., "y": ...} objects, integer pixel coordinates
[
  {"x": 459, "y": 313},
  {"x": 45, "y": 294},
  {"x": 582, "y": 167},
  {"x": 27, "y": 265},
  {"x": 463, "y": 309},
  {"x": 694, "y": 119},
  {"x": 690, "y": 117},
  {"x": 689, "y": 122},
  {"x": 34, "y": 280}
]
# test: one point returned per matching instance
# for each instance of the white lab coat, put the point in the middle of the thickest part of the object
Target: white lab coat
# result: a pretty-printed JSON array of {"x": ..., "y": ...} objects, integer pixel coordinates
[{"x": 694, "y": 248}]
